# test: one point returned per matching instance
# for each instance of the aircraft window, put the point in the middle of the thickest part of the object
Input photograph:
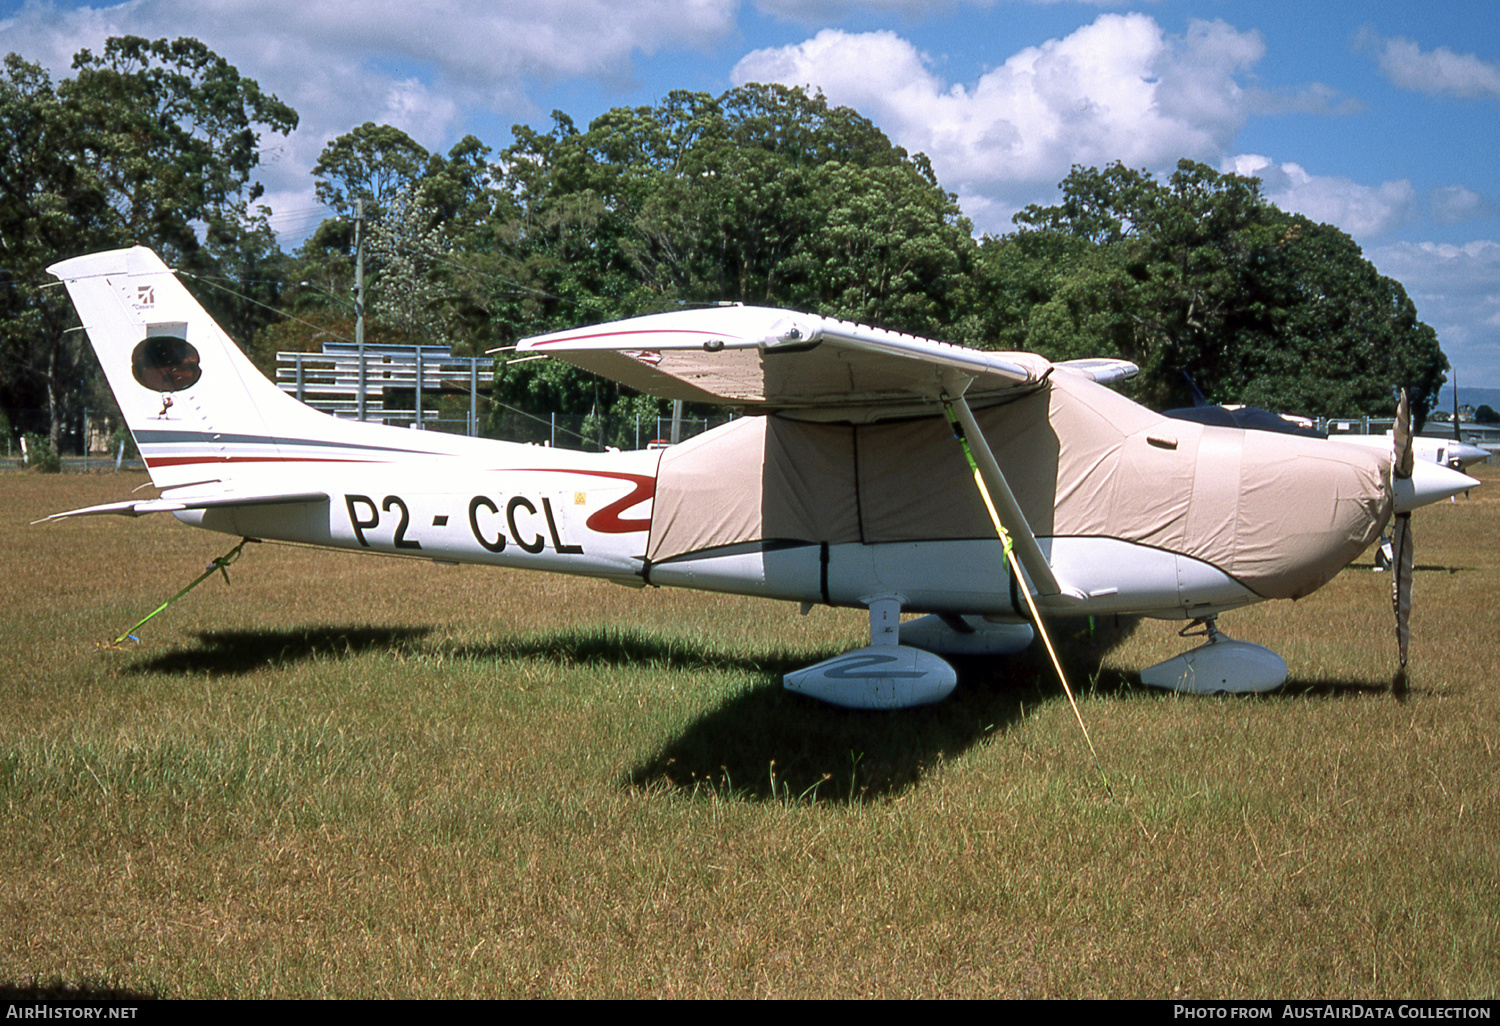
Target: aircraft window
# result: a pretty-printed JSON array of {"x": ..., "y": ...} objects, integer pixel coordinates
[{"x": 166, "y": 364}]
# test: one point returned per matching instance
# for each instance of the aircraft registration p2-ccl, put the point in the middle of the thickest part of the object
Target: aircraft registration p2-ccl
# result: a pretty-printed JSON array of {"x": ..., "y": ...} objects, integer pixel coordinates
[{"x": 872, "y": 469}]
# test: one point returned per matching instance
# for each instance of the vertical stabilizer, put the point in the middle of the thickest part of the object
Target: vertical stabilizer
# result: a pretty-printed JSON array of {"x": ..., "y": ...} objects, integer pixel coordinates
[{"x": 186, "y": 390}]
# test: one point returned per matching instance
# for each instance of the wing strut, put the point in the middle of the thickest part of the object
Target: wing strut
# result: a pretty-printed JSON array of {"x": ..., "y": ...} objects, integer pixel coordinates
[
  {"x": 992, "y": 484},
  {"x": 996, "y": 493}
]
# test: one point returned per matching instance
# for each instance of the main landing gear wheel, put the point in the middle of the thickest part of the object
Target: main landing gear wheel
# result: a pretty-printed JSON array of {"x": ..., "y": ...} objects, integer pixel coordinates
[{"x": 884, "y": 675}]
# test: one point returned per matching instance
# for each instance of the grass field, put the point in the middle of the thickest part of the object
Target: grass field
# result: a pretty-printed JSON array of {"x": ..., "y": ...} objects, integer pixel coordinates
[{"x": 354, "y": 776}]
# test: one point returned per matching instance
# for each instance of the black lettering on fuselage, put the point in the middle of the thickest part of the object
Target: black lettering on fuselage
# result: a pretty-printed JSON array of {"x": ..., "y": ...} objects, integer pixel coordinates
[
  {"x": 562, "y": 550},
  {"x": 402, "y": 542},
  {"x": 365, "y": 516},
  {"x": 360, "y": 526},
  {"x": 537, "y": 543},
  {"x": 521, "y": 531},
  {"x": 475, "y": 505}
]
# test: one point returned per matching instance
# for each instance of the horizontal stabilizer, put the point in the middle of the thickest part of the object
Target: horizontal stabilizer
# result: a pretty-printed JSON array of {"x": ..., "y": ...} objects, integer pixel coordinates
[
  {"x": 1101, "y": 369},
  {"x": 176, "y": 504}
]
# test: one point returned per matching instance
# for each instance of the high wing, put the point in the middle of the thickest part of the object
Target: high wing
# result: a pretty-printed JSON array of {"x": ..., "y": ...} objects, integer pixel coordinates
[
  {"x": 768, "y": 360},
  {"x": 852, "y": 489}
]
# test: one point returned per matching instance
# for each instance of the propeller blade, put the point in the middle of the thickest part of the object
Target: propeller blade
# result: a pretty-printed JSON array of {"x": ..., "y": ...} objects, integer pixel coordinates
[
  {"x": 1403, "y": 563},
  {"x": 1457, "y": 435},
  {"x": 1402, "y": 444}
]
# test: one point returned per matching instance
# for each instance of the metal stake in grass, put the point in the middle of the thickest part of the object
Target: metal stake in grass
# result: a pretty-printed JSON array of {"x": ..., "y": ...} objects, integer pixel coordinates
[{"x": 221, "y": 564}]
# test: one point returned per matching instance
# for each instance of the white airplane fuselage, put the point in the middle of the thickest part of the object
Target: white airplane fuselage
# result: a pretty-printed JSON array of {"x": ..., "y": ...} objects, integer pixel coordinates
[
  {"x": 1118, "y": 509},
  {"x": 459, "y": 500}
]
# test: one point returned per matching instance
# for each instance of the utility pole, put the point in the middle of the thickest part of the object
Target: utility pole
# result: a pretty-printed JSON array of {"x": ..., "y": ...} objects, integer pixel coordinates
[{"x": 359, "y": 296}]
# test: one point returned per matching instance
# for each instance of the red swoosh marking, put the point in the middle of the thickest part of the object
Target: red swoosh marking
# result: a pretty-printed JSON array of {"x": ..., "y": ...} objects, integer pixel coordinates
[{"x": 607, "y": 520}]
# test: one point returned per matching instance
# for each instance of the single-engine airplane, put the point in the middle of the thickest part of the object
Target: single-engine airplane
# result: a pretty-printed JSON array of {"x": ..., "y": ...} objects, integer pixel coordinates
[{"x": 875, "y": 470}]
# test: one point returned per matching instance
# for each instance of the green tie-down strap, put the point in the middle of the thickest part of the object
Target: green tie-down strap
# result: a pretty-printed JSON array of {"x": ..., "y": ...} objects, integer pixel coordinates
[
  {"x": 1014, "y": 566},
  {"x": 984, "y": 493},
  {"x": 221, "y": 565}
]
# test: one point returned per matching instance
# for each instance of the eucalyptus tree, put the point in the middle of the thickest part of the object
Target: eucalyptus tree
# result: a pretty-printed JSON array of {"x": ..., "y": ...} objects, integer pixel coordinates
[
  {"x": 764, "y": 194},
  {"x": 150, "y": 142}
]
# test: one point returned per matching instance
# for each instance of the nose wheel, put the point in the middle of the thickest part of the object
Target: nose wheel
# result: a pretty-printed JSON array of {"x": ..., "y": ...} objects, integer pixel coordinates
[{"x": 1219, "y": 665}]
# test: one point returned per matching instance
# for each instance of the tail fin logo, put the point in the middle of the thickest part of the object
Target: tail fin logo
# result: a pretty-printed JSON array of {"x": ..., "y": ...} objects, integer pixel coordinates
[{"x": 145, "y": 295}]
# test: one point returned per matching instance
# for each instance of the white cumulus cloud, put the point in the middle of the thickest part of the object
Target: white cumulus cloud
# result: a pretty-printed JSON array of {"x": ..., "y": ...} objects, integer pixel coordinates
[
  {"x": 1363, "y": 211},
  {"x": 1454, "y": 204},
  {"x": 421, "y": 67},
  {"x": 1118, "y": 88},
  {"x": 1457, "y": 291},
  {"x": 822, "y": 12},
  {"x": 1433, "y": 72}
]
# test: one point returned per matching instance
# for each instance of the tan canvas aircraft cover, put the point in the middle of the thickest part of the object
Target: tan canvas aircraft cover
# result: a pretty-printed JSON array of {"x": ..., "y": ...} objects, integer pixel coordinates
[{"x": 1081, "y": 460}]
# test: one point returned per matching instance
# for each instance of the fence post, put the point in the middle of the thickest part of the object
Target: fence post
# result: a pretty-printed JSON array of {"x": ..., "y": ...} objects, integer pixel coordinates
[{"x": 418, "y": 422}]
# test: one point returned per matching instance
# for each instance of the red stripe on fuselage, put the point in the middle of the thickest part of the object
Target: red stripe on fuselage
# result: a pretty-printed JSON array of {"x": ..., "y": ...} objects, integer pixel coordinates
[{"x": 604, "y": 521}]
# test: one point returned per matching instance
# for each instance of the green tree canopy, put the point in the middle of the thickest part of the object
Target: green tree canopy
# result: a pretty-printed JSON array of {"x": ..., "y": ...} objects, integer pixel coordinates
[
  {"x": 761, "y": 195},
  {"x": 150, "y": 141},
  {"x": 374, "y": 163},
  {"x": 1201, "y": 280}
]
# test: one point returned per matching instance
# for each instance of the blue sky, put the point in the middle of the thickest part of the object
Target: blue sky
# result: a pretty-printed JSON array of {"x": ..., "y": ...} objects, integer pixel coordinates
[{"x": 1378, "y": 117}]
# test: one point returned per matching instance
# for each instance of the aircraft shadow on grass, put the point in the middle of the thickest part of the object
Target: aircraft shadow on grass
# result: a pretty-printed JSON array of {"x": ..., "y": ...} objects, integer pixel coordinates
[
  {"x": 765, "y": 743},
  {"x": 1342, "y": 687},
  {"x": 37, "y": 989},
  {"x": 1421, "y": 568},
  {"x": 234, "y": 653},
  {"x": 769, "y": 744}
]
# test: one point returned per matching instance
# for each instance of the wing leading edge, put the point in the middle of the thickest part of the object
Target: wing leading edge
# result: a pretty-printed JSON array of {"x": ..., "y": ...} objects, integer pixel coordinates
[{"x": 816, "y": 368}]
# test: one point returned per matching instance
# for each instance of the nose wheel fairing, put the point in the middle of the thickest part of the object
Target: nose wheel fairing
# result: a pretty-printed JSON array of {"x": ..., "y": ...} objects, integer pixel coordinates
[{"x": 1221, "y": 665}]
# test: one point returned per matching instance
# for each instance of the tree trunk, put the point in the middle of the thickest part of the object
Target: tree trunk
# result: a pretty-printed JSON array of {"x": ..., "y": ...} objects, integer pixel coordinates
[{"x": 54, "y": 398}]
